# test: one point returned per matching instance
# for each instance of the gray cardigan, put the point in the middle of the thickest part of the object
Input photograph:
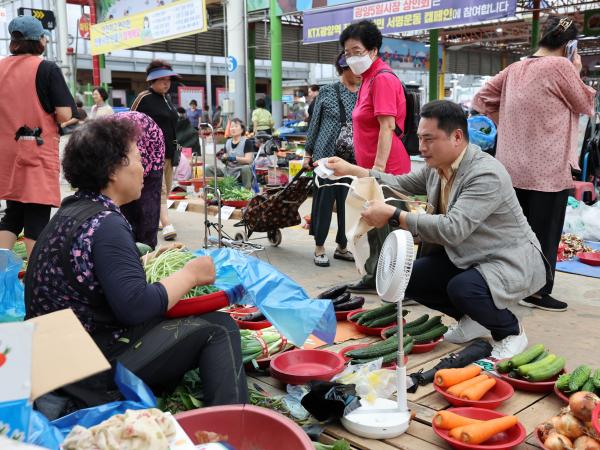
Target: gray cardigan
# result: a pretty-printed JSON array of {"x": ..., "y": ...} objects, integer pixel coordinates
[{"x": 484, "y": 227}]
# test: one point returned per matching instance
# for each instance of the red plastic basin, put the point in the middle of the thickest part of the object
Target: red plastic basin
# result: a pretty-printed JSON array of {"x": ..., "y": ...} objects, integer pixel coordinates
[
  {"x": 247, "y": 427},
  {"x": 368, "y": 330},
  {"x": 301, "y": 366},
  {"x": 591, "y": 258},
  {"x": 491, "y": 400},
  {"x": 343, "y": 315},
  {"x": 502, "y": 441},
  {"x": 248, "y": 324},
  {"x": 561, "y": 395},
  {"x": 199, "y": 305},
  {"x": 236, "y": 203},
  {"x": 524, "y": 385},
  {"x": 424, "y": 348},
  {"x": 595, "y": 422}
]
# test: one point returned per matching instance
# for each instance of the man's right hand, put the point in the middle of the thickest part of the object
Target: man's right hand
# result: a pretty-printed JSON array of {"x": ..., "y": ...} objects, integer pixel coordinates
[
  {"x": 343, "y": 168},
  {"x": 577, "y": 61},
  {"x": 202, "y": 269}
]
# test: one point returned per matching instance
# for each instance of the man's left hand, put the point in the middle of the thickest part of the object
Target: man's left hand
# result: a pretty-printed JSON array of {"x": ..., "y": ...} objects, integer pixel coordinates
[{"x": 378, "y": 213}]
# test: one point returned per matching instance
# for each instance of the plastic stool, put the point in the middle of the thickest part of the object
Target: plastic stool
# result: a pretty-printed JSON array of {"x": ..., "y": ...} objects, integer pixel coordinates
[{"x": 584, "y": 186}]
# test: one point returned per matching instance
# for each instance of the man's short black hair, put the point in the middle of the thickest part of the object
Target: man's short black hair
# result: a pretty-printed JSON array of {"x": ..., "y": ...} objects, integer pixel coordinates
[
  {"x": 366, "y": 32},
  {"x": 260, "y": 103},
  {"x": 450, "y": 116},
  {"x": 96, "y": 149},
  {"x": 193, "y": 102}
]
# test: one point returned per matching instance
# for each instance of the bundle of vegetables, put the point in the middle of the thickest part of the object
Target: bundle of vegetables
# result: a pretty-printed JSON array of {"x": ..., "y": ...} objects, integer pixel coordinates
[
  {"x": 379, "y": 317},
  {"x": 534, "y": 364},
  {"x": 257, "y": 344},
  {"x": 170, "y": 262},
  {"x": 388, "y": 350},
  {"x": 341, "y": 444},
  {"x": 573, "y": 244},
  {"x": 467, "y": 383},
  {"x": 423, "y": 329},
  {"x": 581, "y": 379},
  {"x": 572, "y": 429},
  {"x": 231, "y": 190},
  {"x": 472, "y": 431},
  {"x": 19, "y": 249}
]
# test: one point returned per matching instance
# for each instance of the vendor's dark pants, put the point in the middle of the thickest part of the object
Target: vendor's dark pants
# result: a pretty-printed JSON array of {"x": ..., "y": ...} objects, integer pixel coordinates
[
  {"x": 210, "y": 342},
  {"x": 377, "y": 237},
  {"x": 438, "y": 284},
  {"x": 322, "y": 209},
  {"x": 545, "y": 212}
]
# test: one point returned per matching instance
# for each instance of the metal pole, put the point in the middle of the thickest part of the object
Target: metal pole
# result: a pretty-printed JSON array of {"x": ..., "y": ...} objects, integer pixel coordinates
[
  {"x": 63, "y": 38},
  {"x": 236, "y": 43},
  {"x": 433, "y": 64},
  {"x": 535, "y": 25},
  {"x": 276, "y": 64},
  {"x": 252, "y": 66}
]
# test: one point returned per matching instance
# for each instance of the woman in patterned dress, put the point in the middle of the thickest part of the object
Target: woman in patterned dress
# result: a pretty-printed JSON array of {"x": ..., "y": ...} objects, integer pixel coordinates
[{"x": 325, "y": 126}]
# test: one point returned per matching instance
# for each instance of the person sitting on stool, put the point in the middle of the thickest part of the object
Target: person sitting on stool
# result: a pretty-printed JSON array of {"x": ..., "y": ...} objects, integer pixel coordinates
[{"x": 484, "y": 257}]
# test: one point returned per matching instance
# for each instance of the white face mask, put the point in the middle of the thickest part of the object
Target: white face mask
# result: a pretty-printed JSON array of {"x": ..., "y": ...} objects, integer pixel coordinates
[{"x": 359, "y": 64}]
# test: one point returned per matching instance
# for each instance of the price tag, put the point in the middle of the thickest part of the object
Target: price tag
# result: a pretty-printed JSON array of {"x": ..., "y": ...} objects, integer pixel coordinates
[
  {"x": 182, "y": 206},
  {"x": 226, "y": 212},
  {"x": 170, "y": 203}
]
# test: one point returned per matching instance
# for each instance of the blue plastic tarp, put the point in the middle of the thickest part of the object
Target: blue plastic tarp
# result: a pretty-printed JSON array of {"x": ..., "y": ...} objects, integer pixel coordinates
[
  {"x": 12, "y": 296},
  {"x": 283, "y": 302}
]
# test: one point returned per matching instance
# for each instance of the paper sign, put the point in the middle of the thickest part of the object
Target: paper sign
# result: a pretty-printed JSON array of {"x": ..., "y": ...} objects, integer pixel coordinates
[
  {"x": 182, "y": 206},
  {"x": 170, "y": 203},
  {"x": 16, "y": 342},
  {"x": 226, "y": 212}
]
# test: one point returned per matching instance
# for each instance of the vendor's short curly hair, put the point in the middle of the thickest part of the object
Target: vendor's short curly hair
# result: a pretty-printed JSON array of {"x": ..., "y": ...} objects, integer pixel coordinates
[
  {"x": 96, "y": 150},
  {"x": 366, "y": 32}
]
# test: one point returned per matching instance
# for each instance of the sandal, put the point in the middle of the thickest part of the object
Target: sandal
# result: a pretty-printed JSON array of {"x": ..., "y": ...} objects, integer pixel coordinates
[
  {"x": 321, "y": 260},
  {"x": 345, "y": 255}
]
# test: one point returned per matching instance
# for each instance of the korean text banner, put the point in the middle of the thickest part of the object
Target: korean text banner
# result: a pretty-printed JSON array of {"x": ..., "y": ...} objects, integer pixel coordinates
[
  {"x": 396, "y": 16},
  {"x": 177, "y": 19}
]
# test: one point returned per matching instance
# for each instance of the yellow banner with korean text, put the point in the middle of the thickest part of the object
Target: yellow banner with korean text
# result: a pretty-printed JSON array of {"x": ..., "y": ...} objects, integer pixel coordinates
[{"x": 177, "y": 19}]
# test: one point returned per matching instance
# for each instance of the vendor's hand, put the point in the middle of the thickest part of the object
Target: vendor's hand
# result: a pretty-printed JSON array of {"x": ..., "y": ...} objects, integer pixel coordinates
[
  {"x": 307, "y": 162},
  {"x": 577, "y": 61},
  {"x": 232, "y": 159},
  {"x": 163, "y": 248},
  {"x": 202, "y": 269},
  {"x": 378, "y": 213},
  {"x": 224, "y": 159},
  {"x": 343, "y": 168}
]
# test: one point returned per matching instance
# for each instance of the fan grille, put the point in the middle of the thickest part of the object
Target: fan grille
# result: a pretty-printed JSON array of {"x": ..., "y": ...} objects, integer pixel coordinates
[{"x": 395, "y": 265}]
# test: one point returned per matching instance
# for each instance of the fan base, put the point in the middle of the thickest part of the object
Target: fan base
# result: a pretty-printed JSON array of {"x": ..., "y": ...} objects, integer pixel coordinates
[{"x": 379, "y": 424}]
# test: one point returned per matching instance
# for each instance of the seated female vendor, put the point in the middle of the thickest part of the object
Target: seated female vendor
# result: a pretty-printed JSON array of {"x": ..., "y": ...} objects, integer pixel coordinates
[{"x": 86, "y": 259}]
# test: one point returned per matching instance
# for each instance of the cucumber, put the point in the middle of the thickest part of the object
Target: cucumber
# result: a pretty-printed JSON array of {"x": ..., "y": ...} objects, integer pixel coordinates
[
  {"x": 527, "y": 356},
  {"x": 503, "y": 366},
  {"x": 381, "y": 322},
  {"x": 389, "y": 357},
  {"x": 357, "y": 316},
  {"x": 430, "y": 335},
  {"x": 542, "y": 356},
  {"x": 596, "y": 379},
  {"x": 589, "y": 385},
  {"x": 525, "y": 368},
  {"x": 379, "y": 348},
  {"x": 562, "y": 384},
  {"x": 408, "y": 347},
  {"x": 547, "y": 371},
  {"x": 424, "y": 327},
  {"x": 578, "y": 377},
  {"x": 381, "y": 311},
  {"x": 421, "y": 320},
  {"x": 143, "y": 249},
  {"x": 390, "y": 332}
]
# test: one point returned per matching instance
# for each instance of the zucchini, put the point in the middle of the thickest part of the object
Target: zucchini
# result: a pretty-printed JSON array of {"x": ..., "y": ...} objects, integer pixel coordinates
[
  {"x": 503, "y": 366},
  {"x": 542, "y": 356},
  {"x": 562, "y": 384},
  {"x": 333, "y": 292},
  {"x": 589, "y": 385},
  {"x": 578, "y": 377},
  {"x": 596, "y": 379},
  {"x": 547, "y": 371},
  {"x": 421, "y": 320},
  {"x": 527, "y": 356},
  {"x": 430, "y": 335},
  {"x": 381, "y": 322},
  {"x": 526, "y": 368},
  {"x": 424, "y": 327},
  {"x": 381, "y": 311}
]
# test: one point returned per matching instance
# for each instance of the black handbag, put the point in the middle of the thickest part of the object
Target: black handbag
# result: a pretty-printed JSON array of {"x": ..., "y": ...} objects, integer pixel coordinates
[{"x": 344, "y": 144}]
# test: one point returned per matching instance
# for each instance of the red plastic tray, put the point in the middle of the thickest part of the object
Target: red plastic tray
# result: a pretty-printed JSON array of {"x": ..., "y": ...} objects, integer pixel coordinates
[
  {"x": 301, "y": 366},
  {"x": 595, "y": 422},
  {"x": 424, "y": 348},
  {"x": 591, "y": 258},
  {"x": 502, "y": 441},
  {"x": 185, "y": 182},
  {"x": 491, "y": 400},
  {"x": 524, "y": 385},
  {"x": 236, "y": 203},
  {"x": 199, "y": 305},
  {"x": 343, "y": 315},
  {"x": 561, "y": 395},
  {"x": 367, "y": 330},
  {"x": 176, "y": 197},
  {"x": 245, "y": 324},
  {"x": 538, "y": 433},
  {"x": 345, "y": 350}
]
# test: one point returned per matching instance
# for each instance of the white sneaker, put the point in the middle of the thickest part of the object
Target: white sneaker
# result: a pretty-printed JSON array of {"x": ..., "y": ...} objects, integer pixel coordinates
[
  {"x": 465, "y": 330},
  {"x": 509, "y": 346},
  {"x": 169, "y": 233}
]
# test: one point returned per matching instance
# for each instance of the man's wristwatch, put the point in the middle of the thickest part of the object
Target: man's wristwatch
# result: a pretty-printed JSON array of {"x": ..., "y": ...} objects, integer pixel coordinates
[{"x": 395, "y": 219}]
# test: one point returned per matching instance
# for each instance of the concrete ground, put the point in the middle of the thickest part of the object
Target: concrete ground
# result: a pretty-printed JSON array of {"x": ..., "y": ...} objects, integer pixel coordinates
[{"x": 572, "y": 334}]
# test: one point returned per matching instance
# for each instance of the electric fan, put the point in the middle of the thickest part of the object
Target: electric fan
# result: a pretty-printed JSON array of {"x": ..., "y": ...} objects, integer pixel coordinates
[{"x": 385, "y": 418}]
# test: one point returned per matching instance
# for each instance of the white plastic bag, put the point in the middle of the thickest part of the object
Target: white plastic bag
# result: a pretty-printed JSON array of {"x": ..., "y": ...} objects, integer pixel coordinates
[
  {"x": 370, "y": 379},
  {"x": 583, "y": 220}
]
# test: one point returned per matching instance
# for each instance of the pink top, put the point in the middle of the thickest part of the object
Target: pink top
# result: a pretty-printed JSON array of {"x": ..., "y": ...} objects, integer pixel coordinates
[
  {"x": 539, "y": 100},
  {"x": 379, "y": 95}
]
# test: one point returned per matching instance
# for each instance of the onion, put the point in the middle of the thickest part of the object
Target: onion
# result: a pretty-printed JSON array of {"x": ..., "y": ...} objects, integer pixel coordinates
[
  {"x": 544, "y": 429},
  {"x": 570, "y": 426},
  {"x": 591, "y": 431},
  {"x": 586, "y": 443},
  {"x": 557, "y": 441},
  {"x": 582, "y": 404}
]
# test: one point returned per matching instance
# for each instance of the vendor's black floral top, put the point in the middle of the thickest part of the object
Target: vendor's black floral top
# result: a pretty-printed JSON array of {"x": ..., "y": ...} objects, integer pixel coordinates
[
  {"x": 325, "y": 122},
  {"x": 112, "y": 291}
]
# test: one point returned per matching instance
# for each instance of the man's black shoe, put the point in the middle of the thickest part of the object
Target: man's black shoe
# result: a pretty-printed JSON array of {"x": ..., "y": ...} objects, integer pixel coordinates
[
  {"x": 546, "y": 302},
  {"x": 361, "y": 288}
]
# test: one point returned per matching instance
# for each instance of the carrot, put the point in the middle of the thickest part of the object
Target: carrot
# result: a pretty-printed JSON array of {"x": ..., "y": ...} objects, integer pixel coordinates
[
  {"x": 480, "y": 432},
  {"x": 456, "y": 432},
  {"x": 477, "y": 391},
  {"x": 458, "y": 388},
  {"x": 447, "y": 420},
  {"x": 450, "y": 377}
]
